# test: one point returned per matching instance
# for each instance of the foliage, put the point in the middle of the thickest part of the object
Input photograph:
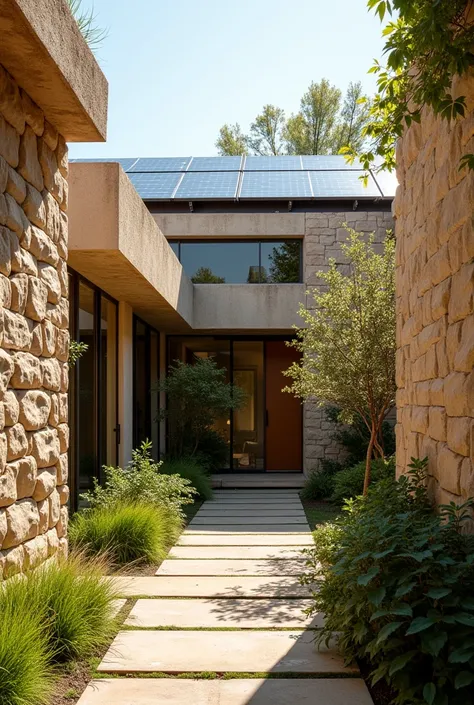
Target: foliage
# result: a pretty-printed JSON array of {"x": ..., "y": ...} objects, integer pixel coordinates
[
  {"x": 191, "y": 470},
  {"x": 319, "y": 484},
  {"x": 348, "y": 343},
  {"x": 321, "y": 126},
  {"x": 76, "y": 351},
  {"x": 86, "y": 21},
  {"x": 396, "y": 581},
  {"x": 141, "y": 481},
  {"x": 285, "y": 263},
  {"x": 426, "y": 44},
  {"x": 213, "y": 450},
  {"x": 354, "y": 438},
  {"x": 349, "y": 482},
  {"x": 204, "y": 275},
  {"x": 25, "y": 651},
  {"x": 198, "y": 394},
  {"x": 125, "y": 533}
]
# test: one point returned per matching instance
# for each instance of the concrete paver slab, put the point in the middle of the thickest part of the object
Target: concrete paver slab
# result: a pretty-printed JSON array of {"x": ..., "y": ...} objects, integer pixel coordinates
[
  {"x": 236, "y": 552},
  {"x": 245, "y": 614},
  {"x": 220, "y": 651},
  {"x": 273, "y": 514},
  {"x": 179, "y": 586},
  {"x": 254, "y": 520},
  {"x": 248, "y": 529},
  {"x": 257, "y": 539},
  {"x": 116, "y": 606},
  {"x": 266, "y": 566},
  {"x": 251, "y": 691}
]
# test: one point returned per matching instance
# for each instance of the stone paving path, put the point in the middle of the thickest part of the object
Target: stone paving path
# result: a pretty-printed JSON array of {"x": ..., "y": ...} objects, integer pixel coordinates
[{"x": 227, "y": 601}]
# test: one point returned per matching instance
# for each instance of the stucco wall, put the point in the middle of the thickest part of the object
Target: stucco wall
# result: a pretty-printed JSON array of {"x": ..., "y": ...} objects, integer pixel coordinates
[
  {"x": 435, "y": 288},
  {"x": 34, "y": 337},
  {"x": 324, "y": 233}
]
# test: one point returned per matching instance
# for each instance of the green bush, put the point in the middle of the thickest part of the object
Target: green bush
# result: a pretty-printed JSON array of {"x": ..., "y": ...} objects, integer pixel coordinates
[
  {"x": 25, "y": 651},
  {"x": 191, "y": 470},
  {"x": 396, "y": 581},
  {"x": 142, "y": 481},
  {"x": 354, "y": 438},
  {"x": 212, "y": 451},
  {"x": 125, "y": 533},
  {"x": 320, "y": 483},
  {"x": 349, "y": 482}
]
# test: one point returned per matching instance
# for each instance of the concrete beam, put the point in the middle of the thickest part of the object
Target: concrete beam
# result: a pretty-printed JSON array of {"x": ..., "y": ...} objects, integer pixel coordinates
[{"x": 220, "y": 225}]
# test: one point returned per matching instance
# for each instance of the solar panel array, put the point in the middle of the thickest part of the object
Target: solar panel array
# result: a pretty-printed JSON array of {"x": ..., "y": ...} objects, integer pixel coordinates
[{"x": 307, "y": 177}]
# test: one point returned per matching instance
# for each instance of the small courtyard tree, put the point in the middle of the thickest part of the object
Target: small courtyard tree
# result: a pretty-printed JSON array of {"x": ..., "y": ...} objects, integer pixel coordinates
[{"x": 348, "y": 343}]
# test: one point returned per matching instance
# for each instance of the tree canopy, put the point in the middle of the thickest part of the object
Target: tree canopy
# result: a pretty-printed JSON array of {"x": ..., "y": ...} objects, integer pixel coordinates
[{"x": 323, "y": 125}]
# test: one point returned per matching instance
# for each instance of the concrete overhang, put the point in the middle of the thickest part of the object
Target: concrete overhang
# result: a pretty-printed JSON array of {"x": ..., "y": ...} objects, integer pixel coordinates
[
  {"x": 256, "y": 308},
  {"x": 42, "y": 48},
  {"x": 114, "y": 242},
  {"x": 221, "y": 225}
]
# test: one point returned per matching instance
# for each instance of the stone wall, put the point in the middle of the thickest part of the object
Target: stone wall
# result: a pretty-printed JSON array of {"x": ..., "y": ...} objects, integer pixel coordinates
[
  {"x": 324, "y": 233},
  {"x": 435, "y": 289},
  {"x": 34, "y": 337}
]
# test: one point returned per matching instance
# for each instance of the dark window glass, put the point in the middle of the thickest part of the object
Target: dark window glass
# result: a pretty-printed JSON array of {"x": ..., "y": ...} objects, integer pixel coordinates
[
  {"x": 108, "y": 381},
  {"x": 174, "y": 244},
  {"x": 221, "y": 262},
  {"x": 281, "y": 261},
  {"x": 141, "y": 385},
  {"x": 87, "y": 390}
]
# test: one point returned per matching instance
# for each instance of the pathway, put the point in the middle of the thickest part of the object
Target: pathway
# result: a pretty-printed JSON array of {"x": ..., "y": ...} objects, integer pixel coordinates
[{"x": 227, "y": 602}]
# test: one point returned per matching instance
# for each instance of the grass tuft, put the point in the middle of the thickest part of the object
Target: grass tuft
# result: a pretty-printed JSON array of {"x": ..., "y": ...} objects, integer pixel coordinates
[{"x": 191, "y": 470}]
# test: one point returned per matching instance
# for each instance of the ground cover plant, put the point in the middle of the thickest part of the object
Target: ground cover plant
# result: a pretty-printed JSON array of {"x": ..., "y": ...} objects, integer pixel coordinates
[
  {"x": 396, "y": 581},
  {"x": 191, "y": 470}
]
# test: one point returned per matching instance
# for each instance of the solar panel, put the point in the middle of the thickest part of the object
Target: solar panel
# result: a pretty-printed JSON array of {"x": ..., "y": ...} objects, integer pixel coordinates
[
  {"x": 387, "y": 182},
  {"x": 342, "y": 184},
  {"x": 211, "y": 184},
  {"x": 329, "y": 161},
  {"x": 156, "y": 185},
  {"x": 284, "y": 163},
  {"x": 275, "y": 184},
  {"x": 215, "y": 164},
  {"x": 162, "y": 164}
]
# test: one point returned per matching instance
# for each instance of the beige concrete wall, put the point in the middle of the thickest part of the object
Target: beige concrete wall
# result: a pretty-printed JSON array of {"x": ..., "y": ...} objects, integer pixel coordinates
[
  {"x": 221, "y": 225},
  {"x": 435, "y": 291},
  {"x": 324, "y": 233}
]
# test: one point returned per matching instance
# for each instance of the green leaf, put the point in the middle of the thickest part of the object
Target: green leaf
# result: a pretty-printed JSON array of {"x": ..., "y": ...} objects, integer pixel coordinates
[
  {"x": 419, "y": 624},
  {"x": 376, "y": 596},
  {"x": 402, "y": 610},
  {"x": 429, "y": 693},
  {"x": 388, "y": 629},
  {"x": 405, "y": 588},
  {"x": 367, "y": 577},
  {"x": 463, "y": 679},
  {"x": 432, "y": 642},
  {"x": 464, "y": 618},
  {"x": 401, "y": 661},
  {"x": 462, "y": 655},
  {"x": 438, "y": 593}
]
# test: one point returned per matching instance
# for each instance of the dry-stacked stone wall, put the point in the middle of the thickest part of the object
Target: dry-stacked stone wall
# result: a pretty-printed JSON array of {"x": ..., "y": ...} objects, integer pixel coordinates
[
  {"x": 435, "y": 289},
  {"x": 324, "y": 234},
  {"x": 34, "y": 337}
]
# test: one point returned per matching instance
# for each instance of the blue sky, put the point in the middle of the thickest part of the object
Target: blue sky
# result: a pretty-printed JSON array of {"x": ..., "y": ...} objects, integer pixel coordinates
[{"x": 179, "y": 69}]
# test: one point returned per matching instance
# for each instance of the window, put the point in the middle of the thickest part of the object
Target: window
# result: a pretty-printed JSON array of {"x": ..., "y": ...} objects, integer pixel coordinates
[
  {"x": 145, "y": 382},
  {"x": 240, "y": 262}
]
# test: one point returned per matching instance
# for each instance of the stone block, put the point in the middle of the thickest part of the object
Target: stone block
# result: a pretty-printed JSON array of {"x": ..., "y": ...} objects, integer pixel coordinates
[
  {"x": 3, "y": 526},
  {"x": 449, "y": 469},
  {"x": 23, "y": 261},
  {"x": 17, "y": 442},
  {"x": 419, "y": 419},
  {"x": 464, "y": 357},
  {"x": 11, "y": 407},
  {"x": 437, "y": 423},
  {"x": 58, "y": 313},
  {"x": 45, "y": 483},
  {"x": 63, "y": 277},
  {"x": 35, "y": 407},
  {"x": 10, "y": 101},
  {"x": 36, "y": 347},
  {"x": 61, "y": 526},
  {"x": 16, "y": 186},
  {"x": 53, "y": 217},
  {"x": 5, "y": 251},
  {"x": 7, "y": 487},
  {"x": 45, "y": 447},
  {"x": 442, "y": 365},
  {"x": 13, "y": 561},
  {"x": 29, "y": 166},
  {"x": 22, "y": 523},
  {"x": 33, "y": 114},
  {"x": 456, "y": 395},
  {"x": 462, "y": 292},
  {"x": 453, "y": 339},
  {"x": 63, "y": 435},
  {"x": 437, "y": 392},
  {"x": 34, "y": 207},
  {"x": 50, "y": 278},
  {"x": 53, "y": 542},
  {"x": 5, "y": 292},
  {"x": 9, "y": 142},
  {"x": 63, "y": 236},
  {"x": 35, "y": 552},
  {"x": 62, "y": 345},
  {"x": 51, "y": 374},
  {"x": 37, "y": 299},
  {"x": 27, "y": 372},
  {"x": 50, "y": 135},
  {"x": 42, "y": 247},
  {"x": 440, "y": 299},
  {"x": 63, "y": 492},
  {"x": 4, "y": 167},
  {"x": 49, "y": 165},
  {"x": 466, "y": 481},
  {"x": 43, "y": 511},
  {"x": 16, "y": 333},
  {"x": 16, "y": 220},
  {"x": 19, "y": 292},
  {"x": 459, "y": 435},
  {"x": 54, "y": 412},
  {"x": 26, "y": 471},
  {"x": 62, "y": 469},
  {"x": 49, "y": 338},
  {"x": 63, "y": 408},
  {"x": 54, "y": 500},
  {"x": 7, "y": 368}
]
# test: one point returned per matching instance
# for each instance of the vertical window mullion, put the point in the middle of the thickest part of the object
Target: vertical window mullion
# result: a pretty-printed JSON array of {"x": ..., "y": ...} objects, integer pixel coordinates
[{"x": 97, "y": 382}]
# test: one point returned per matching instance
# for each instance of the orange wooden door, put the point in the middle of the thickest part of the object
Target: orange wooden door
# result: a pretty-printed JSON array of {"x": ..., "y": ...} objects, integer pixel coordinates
[{"x": 284, "y": 430}]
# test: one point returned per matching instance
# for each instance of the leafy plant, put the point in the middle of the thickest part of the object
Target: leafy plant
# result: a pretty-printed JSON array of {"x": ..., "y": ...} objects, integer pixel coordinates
[
  {"x": 396, "y": 581},
  {"x": 319, "y": 484},
  {"x": 426, "y": 43},
  {"x": 125, "y": 533},
  {"x": 354, "y": 438},
  {"x": 349, "y": 482},
  {"x": 197, "y": 395},
  {"x": 87, "y": 23},
  {"x": 76, "y": 351},
  {"x": 141, "y": 481},
  {"x": 213, "y": 450},
  {"x": 191, "y": 470},
  {"x": 348, "y": 343}
]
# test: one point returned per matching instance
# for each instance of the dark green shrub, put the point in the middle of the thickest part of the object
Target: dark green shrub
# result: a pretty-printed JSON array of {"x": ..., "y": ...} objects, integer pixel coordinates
[
  {"x": 355, "y": 438},
  {"x": 191, "y": 470},
  {"x": 125, "y": 533},
  {"x": 396, "y": 581},
  {"x": 213, "y": 450},
  {"x": 320, "y": 483},
  {"x": 350, "y": 481},
  {"x": 25, "y": 650}
]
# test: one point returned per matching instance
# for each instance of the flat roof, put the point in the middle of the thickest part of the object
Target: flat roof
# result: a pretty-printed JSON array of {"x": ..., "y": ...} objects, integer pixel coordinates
[{"x": 255, "y": 179}]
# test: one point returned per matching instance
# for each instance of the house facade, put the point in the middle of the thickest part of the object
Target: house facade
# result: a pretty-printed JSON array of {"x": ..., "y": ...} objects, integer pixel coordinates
[{"x": 173, "y": 259}]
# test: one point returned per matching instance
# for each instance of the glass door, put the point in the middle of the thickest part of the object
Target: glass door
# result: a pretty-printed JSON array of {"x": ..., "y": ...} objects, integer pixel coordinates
[{"x": 248, "y": 428}]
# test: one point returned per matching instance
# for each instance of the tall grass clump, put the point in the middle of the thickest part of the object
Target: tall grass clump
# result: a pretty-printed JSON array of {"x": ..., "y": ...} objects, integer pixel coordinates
[
  {"x": 125, "y": 533},
  {"x": 25, "y": 649},
  {"x": 191, "y": 470}
]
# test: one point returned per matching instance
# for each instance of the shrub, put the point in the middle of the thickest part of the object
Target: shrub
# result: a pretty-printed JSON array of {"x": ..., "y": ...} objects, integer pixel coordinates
[
  {"x": 125, "y": 532},
  {"x": 213, "y": 450},
  {"x": 25, "y": 652},
  {"x": 396, "y": 581},
  {"x": 320, "y": 483},
  {"x": 191, "y": 470},
  {"x": 141, "y": 481},
  {"x": 354, "y": 438},
  {"x": 349, "y": 482}
]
